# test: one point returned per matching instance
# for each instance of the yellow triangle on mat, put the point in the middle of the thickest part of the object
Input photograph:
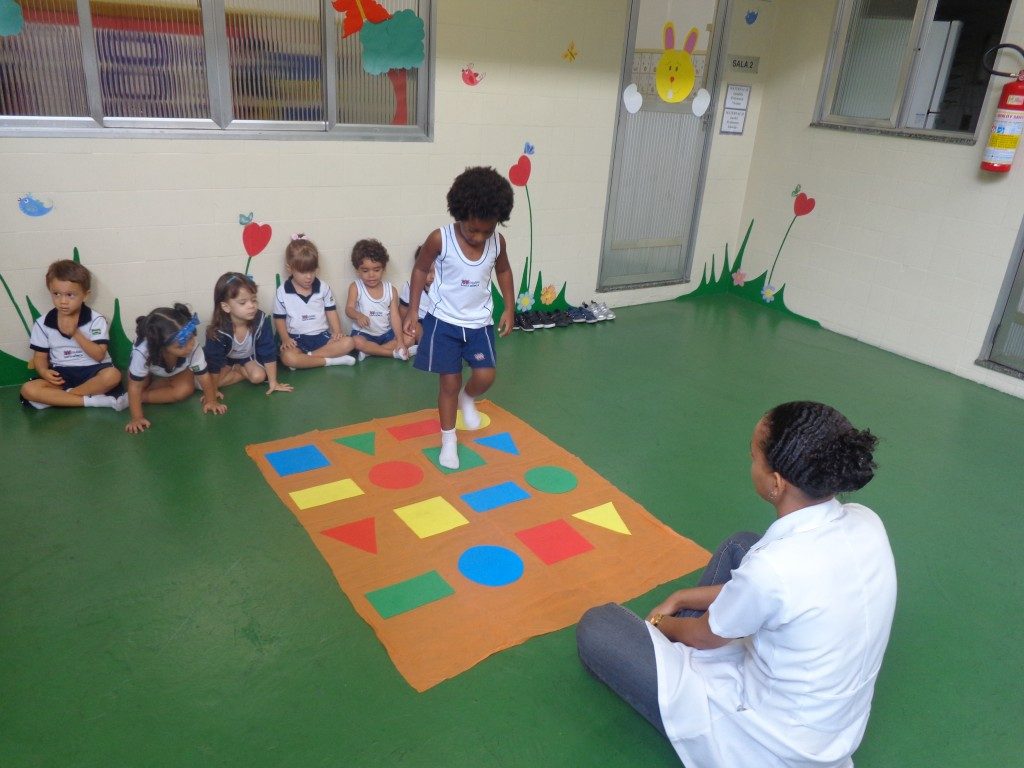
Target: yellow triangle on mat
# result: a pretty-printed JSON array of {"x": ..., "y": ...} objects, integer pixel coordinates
[{"x": 605, "y": 516}]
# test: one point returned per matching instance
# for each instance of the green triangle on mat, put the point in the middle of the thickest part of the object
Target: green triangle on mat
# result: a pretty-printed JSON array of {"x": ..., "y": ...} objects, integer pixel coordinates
[{"x": 364, "y": 442}]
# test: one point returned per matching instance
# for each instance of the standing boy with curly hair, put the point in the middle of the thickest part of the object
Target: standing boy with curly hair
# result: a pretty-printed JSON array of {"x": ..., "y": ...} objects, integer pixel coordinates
[{"x": 460, "y": 327}]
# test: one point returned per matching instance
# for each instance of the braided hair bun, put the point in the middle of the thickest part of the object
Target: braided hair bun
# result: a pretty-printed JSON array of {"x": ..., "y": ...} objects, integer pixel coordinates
[{"x": 815, "y": 448}]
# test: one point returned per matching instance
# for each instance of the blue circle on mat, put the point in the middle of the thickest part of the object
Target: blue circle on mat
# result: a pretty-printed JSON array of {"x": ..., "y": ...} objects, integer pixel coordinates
[{"x": 491, "y": 566}]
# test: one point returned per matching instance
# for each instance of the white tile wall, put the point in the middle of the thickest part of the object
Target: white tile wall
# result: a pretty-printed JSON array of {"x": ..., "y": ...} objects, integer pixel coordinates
[
  {"x": 906, "y": 248},
  {"x": 909, "y": 242}
]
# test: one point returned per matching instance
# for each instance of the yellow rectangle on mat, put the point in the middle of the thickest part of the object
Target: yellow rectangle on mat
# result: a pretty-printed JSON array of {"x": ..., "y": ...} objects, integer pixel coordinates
[
  {"x": 326, "y": 493},
  {"x": 421, "y": 567}
]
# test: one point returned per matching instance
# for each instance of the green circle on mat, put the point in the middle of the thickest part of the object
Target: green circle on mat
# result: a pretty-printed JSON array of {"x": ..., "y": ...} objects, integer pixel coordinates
[{"x": 551, "y": 479}]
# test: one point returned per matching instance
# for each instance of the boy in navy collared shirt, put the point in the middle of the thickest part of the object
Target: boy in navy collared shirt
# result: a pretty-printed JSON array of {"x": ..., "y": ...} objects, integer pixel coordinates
[{"x": 69, "y": 347}]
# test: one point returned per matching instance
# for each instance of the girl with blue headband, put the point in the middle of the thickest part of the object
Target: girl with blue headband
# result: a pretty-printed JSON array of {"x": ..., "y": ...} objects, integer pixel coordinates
[{"x": 167, "y": 364}]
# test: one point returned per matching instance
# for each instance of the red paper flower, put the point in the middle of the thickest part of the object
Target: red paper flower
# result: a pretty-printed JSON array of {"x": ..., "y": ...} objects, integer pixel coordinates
[
  {"x": 519, "y": 174},
  {"x": 358, "y": 11},
  {"x": 802, "y": 204},
  {"x": 255, "y": 237}
]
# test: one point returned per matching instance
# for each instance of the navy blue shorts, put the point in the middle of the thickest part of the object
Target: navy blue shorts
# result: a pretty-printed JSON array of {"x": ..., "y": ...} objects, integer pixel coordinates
[
  {"x": 311, "y": 342},
  {"x": 444, "y": 346},
  {"x": 384, "y": 338},
  {"x": 76, "y": 375}
]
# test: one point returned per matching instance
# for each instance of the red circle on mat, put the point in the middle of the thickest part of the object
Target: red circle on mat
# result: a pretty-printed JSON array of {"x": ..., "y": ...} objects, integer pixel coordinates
[{"x": 396, "y": 474}]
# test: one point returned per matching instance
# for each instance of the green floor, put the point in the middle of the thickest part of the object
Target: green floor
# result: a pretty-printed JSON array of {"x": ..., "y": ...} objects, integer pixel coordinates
[{"x": 160, "y": 607}]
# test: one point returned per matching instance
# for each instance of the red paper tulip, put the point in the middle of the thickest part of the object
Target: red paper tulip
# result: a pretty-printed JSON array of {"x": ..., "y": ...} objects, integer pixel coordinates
[
  {"x": 802, "y": 204},
  {"x": 255, "y": 237},
  {"x": 519, "y": 174}
]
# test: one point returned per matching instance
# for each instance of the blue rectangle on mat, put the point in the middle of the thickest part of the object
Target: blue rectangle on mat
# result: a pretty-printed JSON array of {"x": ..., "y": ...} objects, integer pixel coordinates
[
  {"x": 294, "y": 460},
  {"x": 487, "y": 499}
]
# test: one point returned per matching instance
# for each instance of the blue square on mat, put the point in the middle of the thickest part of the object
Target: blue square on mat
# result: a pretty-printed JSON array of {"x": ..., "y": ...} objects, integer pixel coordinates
[
  {"x": 293, "y": 460},
  {"x": 487, "y": 499}
]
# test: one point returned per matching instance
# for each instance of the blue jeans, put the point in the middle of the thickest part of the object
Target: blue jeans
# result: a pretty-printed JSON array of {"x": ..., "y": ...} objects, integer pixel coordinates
[{"x": 615, "y": 645}]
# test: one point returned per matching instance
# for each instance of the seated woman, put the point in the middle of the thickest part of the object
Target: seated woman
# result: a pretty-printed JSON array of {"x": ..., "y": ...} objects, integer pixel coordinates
[{"x": 771, "y": 660}]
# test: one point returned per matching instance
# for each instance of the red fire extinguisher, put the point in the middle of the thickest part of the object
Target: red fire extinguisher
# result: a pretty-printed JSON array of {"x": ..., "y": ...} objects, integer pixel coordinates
[{"x": 1008, "y": 124}]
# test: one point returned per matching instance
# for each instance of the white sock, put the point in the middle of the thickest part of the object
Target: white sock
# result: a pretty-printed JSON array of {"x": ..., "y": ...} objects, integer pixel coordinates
[
  {"x": 360, "y": 356},
  {"x": 106, "y": 401},
  {"x": 467, "y": 405},
  {"x": 449, "y": 456},
  {"x": 400, "y": 354},
  {"x": 39, "y": 406},
  {"x": 412, "y": 349},
  {"x": 342, "y": 360}
]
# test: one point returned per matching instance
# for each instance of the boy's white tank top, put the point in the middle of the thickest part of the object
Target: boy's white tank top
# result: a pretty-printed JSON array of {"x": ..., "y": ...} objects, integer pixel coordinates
[
  {"x": 377, "y": 310},
  {"x": 461, "y": 290}
]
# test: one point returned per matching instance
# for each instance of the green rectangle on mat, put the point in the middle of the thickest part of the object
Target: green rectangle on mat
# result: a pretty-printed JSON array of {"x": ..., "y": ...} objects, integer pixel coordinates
[{"x": 409, "y": 594}]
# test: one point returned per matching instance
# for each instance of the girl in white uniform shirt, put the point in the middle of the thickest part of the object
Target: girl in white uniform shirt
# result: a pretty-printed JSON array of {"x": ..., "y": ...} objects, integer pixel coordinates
[
  {"x": 771, "y": 661},
  {"x": 167, "y": 364}
]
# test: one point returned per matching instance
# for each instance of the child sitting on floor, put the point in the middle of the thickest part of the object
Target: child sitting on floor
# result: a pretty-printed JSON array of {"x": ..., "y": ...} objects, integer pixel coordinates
[
  {"x": 240, "y": 341},
  {"x": 167, "y": 364},
  {"x": 426, "y": 305},
  {"x": 306, "y": 315},
  {"x": 372, "y": 306},
  {"x": 69, "y": 347}
]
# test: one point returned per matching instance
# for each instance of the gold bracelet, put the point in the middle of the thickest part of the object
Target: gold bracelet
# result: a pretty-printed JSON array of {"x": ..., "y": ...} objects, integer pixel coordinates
[{"x": 657, "y": 618}]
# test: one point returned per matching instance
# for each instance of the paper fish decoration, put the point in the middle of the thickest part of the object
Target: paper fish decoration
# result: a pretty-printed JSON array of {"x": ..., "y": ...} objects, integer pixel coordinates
[
  {"x": 32, "y": 207},
  {"x": 674, "y": 76},
  {"x": 571, "y": 52},
  {"x": 528, "y": 148},
  {"x": 470, "y": 76},
  {"x": 244, "y": 219}
]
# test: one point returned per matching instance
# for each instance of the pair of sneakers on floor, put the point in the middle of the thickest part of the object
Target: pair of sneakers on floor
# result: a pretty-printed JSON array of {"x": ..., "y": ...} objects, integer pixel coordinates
[
  {"x": 598, "y": 310},
  {"x": 530, "y": 321}
]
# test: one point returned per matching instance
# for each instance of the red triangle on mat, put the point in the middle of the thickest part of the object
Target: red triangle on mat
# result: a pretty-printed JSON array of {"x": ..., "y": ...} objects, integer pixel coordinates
[{"x": 362, "y": 534}]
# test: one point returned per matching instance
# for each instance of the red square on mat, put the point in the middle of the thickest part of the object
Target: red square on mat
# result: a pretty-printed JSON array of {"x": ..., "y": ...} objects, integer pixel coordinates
[
  {"x": 416, "y": 429},
  {"x": 554, "y": 541}
]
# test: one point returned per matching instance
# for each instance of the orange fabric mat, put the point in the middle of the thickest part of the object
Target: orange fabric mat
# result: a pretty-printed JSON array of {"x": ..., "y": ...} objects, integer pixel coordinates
[{"x": 451, "y": 567}]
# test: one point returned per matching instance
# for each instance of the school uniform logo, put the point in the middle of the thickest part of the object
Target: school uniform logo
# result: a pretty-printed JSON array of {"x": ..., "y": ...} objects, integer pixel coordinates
[{"x": 470, "y": 283}]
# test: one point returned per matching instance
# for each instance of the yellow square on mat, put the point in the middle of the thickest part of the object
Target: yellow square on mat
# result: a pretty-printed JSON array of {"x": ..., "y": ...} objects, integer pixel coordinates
[
  {"x": 431, "y": 517},
  {"x": 422, "y": 554},
  {"x": 326, "y": 493}
]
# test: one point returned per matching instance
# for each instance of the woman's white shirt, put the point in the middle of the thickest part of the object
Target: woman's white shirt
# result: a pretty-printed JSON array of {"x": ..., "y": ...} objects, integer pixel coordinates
[{"x": 810, "y": 609}]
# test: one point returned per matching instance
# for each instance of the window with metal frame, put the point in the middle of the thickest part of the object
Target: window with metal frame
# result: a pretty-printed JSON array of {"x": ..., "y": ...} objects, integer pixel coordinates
[
  {"x": 912, "y": 67},
  {"x": 219, "y": 67}
]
